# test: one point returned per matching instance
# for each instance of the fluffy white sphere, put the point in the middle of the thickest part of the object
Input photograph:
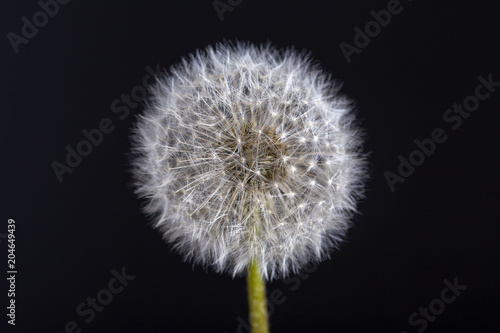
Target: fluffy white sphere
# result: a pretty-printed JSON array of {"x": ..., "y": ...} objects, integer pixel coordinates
[{"x": 248, "y": 153}]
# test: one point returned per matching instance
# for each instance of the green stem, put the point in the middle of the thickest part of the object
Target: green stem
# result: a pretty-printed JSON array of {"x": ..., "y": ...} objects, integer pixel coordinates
[{"x": 257, "y": 299}]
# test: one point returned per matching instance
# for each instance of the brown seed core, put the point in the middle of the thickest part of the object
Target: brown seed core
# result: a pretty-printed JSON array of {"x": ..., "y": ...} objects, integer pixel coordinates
[{"x": 257, "y": 158}]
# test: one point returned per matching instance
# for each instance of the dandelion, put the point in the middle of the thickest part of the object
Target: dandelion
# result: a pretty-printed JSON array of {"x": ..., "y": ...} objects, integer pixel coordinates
[{"x": 249, "y": 160}]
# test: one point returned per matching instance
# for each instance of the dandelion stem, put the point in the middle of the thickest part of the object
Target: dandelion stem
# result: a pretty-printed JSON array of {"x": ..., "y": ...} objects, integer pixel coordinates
[{"x": 257, "y": 299}]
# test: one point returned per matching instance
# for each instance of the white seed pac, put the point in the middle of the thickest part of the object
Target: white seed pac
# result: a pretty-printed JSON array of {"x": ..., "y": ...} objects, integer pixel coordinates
[{"x": 260, "y": 141}]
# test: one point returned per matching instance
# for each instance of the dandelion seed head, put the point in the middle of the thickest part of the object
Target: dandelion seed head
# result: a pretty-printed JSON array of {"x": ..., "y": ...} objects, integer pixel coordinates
[{"x": 239, "y": 156}]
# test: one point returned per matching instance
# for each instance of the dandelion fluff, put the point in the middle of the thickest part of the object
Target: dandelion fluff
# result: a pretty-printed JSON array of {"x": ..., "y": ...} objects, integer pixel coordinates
[{"x": 249, "y": 152}]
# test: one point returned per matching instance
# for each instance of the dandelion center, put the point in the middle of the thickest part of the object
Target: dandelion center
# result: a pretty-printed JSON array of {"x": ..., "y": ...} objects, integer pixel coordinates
[{"x": 255, "y": 155}]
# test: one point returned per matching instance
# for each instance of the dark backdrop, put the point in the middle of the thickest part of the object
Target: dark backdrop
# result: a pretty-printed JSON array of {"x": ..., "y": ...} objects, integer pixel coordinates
[{"x": 438, "y": 227}]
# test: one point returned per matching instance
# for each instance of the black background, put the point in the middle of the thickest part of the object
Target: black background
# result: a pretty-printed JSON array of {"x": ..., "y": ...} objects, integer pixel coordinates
[{"x": 441, "y": 223}]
